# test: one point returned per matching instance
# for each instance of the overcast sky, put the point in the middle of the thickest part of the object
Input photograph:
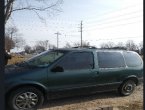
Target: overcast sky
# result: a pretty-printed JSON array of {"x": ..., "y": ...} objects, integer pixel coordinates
[{"x": 103, "y": 21}]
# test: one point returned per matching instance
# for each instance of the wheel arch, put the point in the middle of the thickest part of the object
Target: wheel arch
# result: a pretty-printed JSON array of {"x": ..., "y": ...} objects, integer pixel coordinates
[
  {"x": 37, "y": 86},
  {"x": 132, "y": 77}
]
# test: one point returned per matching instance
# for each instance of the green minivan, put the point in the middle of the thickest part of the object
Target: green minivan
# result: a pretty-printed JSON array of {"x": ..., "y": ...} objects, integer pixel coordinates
[{"x": 66, "y": 72}]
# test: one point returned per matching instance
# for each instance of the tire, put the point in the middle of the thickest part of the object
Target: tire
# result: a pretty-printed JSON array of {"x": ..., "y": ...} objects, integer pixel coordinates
[
  {"x": 26, "y": 98},
  {"x": 127, "y": 88}
]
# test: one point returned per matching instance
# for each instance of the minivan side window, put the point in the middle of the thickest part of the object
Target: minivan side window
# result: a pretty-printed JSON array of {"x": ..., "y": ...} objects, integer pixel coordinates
[
  {"x": 45, "y": 59},
  {"x": 132, "y": 59},
  {"x": 77, "y": 61},
  {"x": 110, "y": 60}
]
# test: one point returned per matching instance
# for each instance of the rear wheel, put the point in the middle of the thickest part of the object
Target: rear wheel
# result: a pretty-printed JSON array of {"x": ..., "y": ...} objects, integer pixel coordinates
[
  {"x": 127, "y": 88},
  {"x": 26, "y": 98}
]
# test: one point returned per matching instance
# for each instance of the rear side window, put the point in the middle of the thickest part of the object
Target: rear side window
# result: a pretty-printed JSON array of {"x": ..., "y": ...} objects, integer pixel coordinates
[
  {"x": 110, "y": 60},
  {"x": 132, "y": 59}
]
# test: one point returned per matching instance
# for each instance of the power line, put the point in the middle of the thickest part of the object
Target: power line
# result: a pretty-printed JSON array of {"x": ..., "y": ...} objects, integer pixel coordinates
[
  {"x": 115, "y": 21},
  {"x": 108, "y": 12},
  {"x": 112, "y": 17},
  {"x": 112, "y": 26}
]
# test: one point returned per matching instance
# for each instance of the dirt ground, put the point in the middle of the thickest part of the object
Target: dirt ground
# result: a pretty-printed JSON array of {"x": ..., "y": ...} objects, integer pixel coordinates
[{"x": 132, "y": 102}]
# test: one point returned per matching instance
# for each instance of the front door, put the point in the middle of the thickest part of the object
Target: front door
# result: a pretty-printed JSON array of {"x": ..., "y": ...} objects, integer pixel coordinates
[{"x": 77, "y": 69}]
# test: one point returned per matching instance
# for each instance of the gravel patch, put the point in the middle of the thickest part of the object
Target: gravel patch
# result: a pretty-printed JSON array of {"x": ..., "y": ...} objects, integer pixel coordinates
[{"x": 132, "y": 102}]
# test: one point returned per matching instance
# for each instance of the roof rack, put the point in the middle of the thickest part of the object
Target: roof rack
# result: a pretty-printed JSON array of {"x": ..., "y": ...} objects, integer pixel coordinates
[
  {"x": 118, "y": 48},
  {"x": 88, "y": 47},
  {"x": 93, "y": 47}
]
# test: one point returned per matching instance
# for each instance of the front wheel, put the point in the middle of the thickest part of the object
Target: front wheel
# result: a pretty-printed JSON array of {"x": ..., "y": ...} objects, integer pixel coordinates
[
  {"x": 127, "y": 88},
  {"x": 26, "y": 98}
]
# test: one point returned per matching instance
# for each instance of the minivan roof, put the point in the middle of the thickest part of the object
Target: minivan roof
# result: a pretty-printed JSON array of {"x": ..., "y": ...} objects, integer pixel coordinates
[{"x": 89, "y": 49}]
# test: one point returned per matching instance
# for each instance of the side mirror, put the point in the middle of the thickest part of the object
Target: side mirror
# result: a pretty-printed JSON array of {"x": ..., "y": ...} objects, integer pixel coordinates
[{"x": 57, "y": 69}]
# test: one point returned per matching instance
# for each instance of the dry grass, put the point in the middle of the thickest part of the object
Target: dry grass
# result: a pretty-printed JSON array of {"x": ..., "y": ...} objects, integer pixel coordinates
[
  {"x": 15, "y": 59},
  {"x": 132, "y": 102},
  {"x": 132, "y": 106}
]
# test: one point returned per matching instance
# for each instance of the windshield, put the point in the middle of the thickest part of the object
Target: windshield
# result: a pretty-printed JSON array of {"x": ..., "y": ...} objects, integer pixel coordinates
[{"x": 44, "y": 59}]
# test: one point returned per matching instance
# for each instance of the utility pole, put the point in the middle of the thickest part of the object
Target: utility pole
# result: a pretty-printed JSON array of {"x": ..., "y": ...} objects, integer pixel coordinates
[
  {"x": 57, "y": 37},
  {"x": 81, "y": 33}
]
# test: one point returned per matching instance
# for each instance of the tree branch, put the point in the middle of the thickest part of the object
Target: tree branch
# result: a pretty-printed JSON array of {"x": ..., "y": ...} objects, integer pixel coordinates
[
  {"x": 34, "y": 8},
  {"x": 9, "y": 8}
]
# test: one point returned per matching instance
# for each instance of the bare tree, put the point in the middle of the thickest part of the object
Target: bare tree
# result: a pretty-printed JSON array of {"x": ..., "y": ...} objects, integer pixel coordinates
[
  {"x": 12, "y": 6},
  {"x": 130, "y": 45},
  {"x": 39, "y": 49},
  {"x": 27, "y": 49},
  {"x": 41, "y": 46},
  {"x": 141, "y": 45},
  {"x": 120, "y": 44},
  {"x": 141, "y": 48},
  {"x": 67, "y": 45},
  {"x": 44, "y": 44},
  {"x": 12, "y": 32},
  {"x": 13, "y": 39},
  {"x": 51, "y": 46},
  {"x": 84, "y": 44},
  {"x": 107, "y": 45},
  {"x": 9, "y": 43},
  {"x": 19, "y": 42}
]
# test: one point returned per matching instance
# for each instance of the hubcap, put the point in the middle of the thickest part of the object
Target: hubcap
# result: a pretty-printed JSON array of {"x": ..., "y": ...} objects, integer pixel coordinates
[
  {"x": 128, "y": 88},
  {"x": 26, "y": 100}
]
